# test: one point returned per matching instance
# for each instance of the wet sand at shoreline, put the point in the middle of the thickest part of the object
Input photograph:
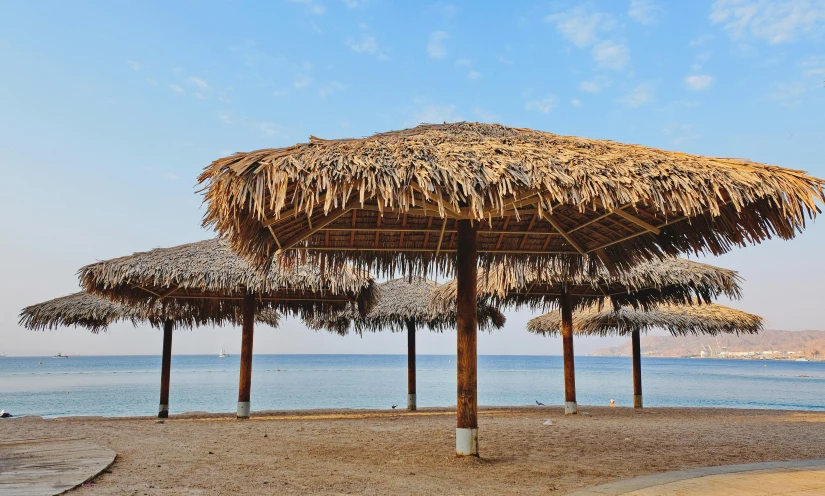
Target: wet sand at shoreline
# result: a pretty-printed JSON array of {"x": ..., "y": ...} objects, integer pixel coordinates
[{"x": 398, "y": 452}]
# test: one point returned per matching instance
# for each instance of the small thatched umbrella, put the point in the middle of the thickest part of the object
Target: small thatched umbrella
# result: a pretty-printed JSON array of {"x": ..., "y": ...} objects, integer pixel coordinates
[
  {"x": 679, "y": 320},
  {"x": 405, "y": 303},
  {"x": 97, "y": 314},
  {"x": 449, "y": 195},
  {"x": 674, "y": 281},
  {"x": 211, "y": 278}
]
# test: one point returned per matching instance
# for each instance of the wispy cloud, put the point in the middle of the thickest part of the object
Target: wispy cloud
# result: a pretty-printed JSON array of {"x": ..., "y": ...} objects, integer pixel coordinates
[
  {"x": 436, "y": 47},
  {"x": 789, "y": 94},
  {"x": 611, "y": 55},
  {"x": 176, "y": 88},
  {"x": 367, "y": 44},
  {"x": 200, "y": 83},
  {"x": 643, "y": 11},
  {"x": 813, "y": 67},
  {"x": 640, "y": 95},
  {"x": 264, "y": 127},
  {"x": 576, "y": 102},
  {"x": 484, "y": 115},
  {"x": 434, "y": 114},
  {"x": 701, "y": 40},
  {"x": 592, "y": 86},
  {"x": 679, "y": 133},
  {"x": 330, "y": 88},
  {"x": 134, "y": 65},
  {"x": 543, "y": 105},
  {"x": 504, "y": 60},
  {"x": 699, "y": 82},
  {"x": 311, "y": 6},
  {"x": 473, "y": 75},
  {"x": 775, "y": 21},
  {"x": 301, "y": 82},
  {"x": 580, "y": 26}
]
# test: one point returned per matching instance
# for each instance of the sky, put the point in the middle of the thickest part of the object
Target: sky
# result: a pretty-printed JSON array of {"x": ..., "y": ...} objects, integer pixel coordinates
[{"x": 110, "y": 110}]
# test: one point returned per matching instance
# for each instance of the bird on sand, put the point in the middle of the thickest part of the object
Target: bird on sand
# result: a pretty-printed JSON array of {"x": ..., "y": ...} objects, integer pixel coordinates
[
  {"x": 539, "y": 403},
  {"x": 393, "y": 407}
]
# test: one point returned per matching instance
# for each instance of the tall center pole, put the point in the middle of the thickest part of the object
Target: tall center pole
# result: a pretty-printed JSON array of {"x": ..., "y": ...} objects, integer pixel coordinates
[
  {"x": 466, "y": 433},
  {"x": 411, "y": 399},
  {"x": 165, "y": 369},
  {"x": 248, "y": 328},
  {"x": 567, "y": 345},
  {"x": 637, "y": 369}
]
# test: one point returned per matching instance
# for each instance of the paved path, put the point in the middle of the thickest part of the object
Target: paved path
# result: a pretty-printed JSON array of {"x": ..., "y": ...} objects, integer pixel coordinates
[
  {"x": 794, "y": 478},
  {"x": 44, "y": 467}
]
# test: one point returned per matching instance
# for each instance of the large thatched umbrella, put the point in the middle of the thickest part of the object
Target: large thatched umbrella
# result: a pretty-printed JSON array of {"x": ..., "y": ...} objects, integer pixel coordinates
[
  {"x": 97, "y": 314},
  {"x": 679, "y": 320},
  {"x": 210, "y": 277},
  {"x": 405, "y": 304},
  {"x": 450, "y": 195},
  {"x": 670, "y": 281}
]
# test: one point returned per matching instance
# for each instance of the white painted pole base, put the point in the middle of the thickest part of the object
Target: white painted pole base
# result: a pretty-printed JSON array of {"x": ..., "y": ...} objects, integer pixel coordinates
[
  {"x": 637, "y": 401},
  {"x": 243, "y": 409},
  {"x": 466, "y": 442},
  {"x": 411, "y": 402},
  {"x": 163, "y": 411},
  {"x": 570, "y": 407}
]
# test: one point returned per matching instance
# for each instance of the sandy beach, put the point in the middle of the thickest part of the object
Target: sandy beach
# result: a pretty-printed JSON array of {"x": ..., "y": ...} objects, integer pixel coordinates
[{"x": 396, "y": 452}]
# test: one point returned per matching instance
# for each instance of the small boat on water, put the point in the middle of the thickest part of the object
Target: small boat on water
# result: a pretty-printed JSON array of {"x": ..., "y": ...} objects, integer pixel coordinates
[
  {"x": 223, "y": 353},
  {"x": 60, "y": 355},
  {"x": 802, "y": 359}
]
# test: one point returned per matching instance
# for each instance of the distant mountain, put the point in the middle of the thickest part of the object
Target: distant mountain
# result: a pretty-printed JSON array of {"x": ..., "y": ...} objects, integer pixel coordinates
[{"x": 767, "y": 344}]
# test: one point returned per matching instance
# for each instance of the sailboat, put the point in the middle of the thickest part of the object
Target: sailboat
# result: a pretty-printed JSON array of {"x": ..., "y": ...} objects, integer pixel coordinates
[
  {"x": 60, "y": 355},
  {"x": 223, "y": 353}
]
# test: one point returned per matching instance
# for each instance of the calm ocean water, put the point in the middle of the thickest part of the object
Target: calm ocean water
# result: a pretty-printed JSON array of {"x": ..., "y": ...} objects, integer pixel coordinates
[{"x": 129, "y": 385}]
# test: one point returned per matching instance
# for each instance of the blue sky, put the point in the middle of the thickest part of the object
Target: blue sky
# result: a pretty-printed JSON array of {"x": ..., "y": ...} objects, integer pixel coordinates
[{"x": 108, "y": 111}]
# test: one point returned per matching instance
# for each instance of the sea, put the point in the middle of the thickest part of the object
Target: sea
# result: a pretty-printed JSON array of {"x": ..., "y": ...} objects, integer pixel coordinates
[{"x": 116, "y": 386}]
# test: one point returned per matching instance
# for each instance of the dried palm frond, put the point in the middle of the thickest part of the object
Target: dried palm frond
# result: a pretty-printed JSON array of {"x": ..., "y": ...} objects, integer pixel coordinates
[
  {"x": 679, "y": 320},
  {"x": 393, "y": 200}
]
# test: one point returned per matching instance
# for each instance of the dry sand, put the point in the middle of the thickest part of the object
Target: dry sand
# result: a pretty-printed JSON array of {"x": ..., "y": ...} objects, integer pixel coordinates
[{"x": 369, "y": 452}]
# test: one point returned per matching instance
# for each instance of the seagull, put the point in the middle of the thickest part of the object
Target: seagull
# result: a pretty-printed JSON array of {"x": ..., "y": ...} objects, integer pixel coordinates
[
  {"x": 539, "y": 403},
  {"x": 393, "y": 407}
]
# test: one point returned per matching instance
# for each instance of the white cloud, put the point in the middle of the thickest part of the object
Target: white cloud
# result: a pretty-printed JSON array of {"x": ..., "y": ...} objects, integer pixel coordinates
[
  {"x": 200, "y": 96},
  {"x": 354, "y": 4},
  {"x": 643, "y": 11},
  {"x": 640, "y": 95},
  {"x": 775, "y": 21},
  {"x": 591, "y": 86},
  {"x": 332, "y": 87},
  {"x": 679, "y": 133},
  {"x": 134, "y": 65},
  {"x": 264, "y": 127},
  {"x": 367, "y": 44},
  {"x": 544, "y": 105},
  {"x": 699, "y": 82},
  {"x": 176, "y": 88},
  {"x": 789, "y": 94},
  {"x": 302, "y": 82},
  {"x": 435, "y": 114},
  {"x": 312, "y": 7},
  {"x": 473, "y": 75},
  {"x": 435, "y": 47},
  {"x": 813, "y": 66},
  {"x": 611, "y": 55},
  {"x": 504, "y": 60},
  {"x": 580, "y": 26},
  {"x": 463, "y": 62},
  {"x": 576, "y": 102},
  {"x": 200, "y": 83},
  {"x": 702, "y": 40}
]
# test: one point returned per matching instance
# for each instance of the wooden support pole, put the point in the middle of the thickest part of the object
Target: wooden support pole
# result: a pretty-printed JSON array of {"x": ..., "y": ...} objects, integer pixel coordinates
[
  {"x": 411, "y": 398},
  {"x": 248, "y": 329},
  {"x": 466, "y": 442},
  {"x": 165, "y": 369},
  {"x": 567, "y": 344},
  {"x": 637, "y": 369}
]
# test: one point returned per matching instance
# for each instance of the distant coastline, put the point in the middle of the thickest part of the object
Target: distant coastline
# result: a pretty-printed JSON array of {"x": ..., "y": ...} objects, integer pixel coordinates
[{"x": 768, "y": 345}]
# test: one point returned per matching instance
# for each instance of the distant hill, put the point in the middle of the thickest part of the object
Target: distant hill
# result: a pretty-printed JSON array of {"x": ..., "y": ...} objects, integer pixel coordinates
[{"x": 767, "y": 344}]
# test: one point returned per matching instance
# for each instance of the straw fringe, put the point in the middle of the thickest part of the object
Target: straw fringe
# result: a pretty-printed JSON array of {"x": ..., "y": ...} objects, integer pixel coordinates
[
  {"x": 675, "y": 281},
  {"x": 96, "y": 314},
  {"x": 679, "y": 320},
  {"x": 484, "y": 171},
  {"x": 209, "y": 275},
  {"x": 399, "y": 301}
]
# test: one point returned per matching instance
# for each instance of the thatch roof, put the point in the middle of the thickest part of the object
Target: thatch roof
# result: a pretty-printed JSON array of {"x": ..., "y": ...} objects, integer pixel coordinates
[
  {"x": 393, "y": 200},
  {"x": 401, "y": 300},
  {"x": 674, "y": 280},
  {"x": 211, "y": 276},
  {"x": 679, "y": 320},
  {"x": 95, "y": 313}
]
